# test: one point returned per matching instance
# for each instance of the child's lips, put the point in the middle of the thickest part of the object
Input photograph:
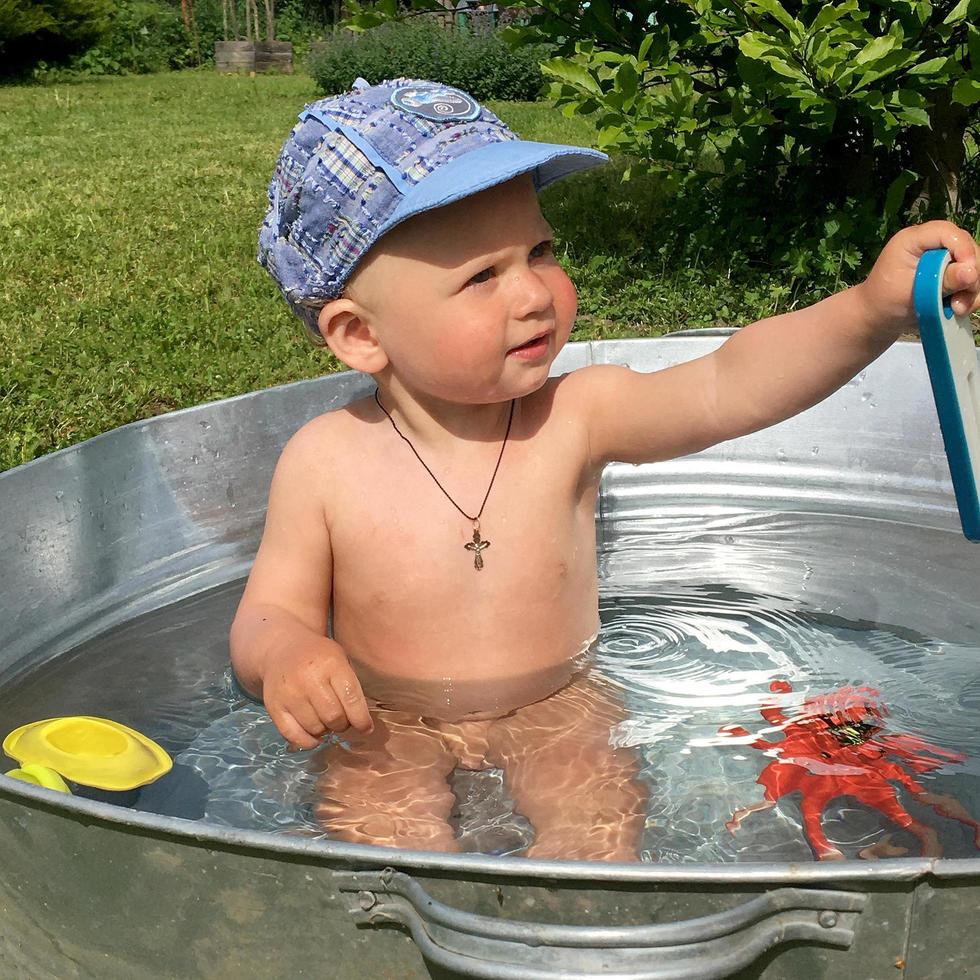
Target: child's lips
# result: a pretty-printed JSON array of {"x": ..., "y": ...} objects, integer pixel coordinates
[{"x": 531, "y": 349}]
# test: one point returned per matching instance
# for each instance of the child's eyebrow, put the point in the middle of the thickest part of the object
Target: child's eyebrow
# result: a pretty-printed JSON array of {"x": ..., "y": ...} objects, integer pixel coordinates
[{"x": 543, "y": 234}]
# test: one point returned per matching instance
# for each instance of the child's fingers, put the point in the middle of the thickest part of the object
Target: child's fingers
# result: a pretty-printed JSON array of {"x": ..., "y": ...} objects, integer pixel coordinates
[
  {"x": 961, "y": 283},
  {"x": 348, "y": 689},
  {"x": 291, "y": 730},
  {"x": 961, "y": 279},
  {"x": 329, "y": 712},
  {"x": 944, "y": 234},
  {"x": 965, "y": 302}
]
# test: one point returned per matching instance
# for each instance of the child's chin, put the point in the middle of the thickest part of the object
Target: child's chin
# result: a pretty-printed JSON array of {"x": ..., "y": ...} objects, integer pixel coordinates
[{"x": 534, "y": 380}]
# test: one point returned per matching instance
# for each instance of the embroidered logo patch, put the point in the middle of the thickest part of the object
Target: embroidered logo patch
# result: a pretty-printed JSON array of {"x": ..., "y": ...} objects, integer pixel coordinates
[{"x": 435, "y": 103}]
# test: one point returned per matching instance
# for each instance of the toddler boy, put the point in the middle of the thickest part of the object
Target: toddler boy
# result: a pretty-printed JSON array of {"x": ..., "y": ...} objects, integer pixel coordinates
[{"x": 445, "y": 525}]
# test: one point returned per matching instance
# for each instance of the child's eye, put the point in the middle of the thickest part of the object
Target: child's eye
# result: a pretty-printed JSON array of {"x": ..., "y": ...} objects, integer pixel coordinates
[
  {"x": 539, "y": 251},
  {"x": 482, "y": 276}
]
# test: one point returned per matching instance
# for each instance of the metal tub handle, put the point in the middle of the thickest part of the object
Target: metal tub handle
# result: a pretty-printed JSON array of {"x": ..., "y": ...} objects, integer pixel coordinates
[{"x": 701, "y": 949}]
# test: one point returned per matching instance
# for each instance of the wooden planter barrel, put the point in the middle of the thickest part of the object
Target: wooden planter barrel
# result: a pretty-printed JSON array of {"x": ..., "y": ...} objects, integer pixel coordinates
[
  {"x": 253, "y": 56},
  {"x": 275, "y": 56}
]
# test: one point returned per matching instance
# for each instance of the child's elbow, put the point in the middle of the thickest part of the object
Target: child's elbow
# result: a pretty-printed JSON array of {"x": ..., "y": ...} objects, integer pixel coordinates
[{"x": 241, "y": 648}]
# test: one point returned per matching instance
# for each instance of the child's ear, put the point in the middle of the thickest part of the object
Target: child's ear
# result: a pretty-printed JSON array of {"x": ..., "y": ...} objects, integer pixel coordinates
[{"x": 344, "y": 325}]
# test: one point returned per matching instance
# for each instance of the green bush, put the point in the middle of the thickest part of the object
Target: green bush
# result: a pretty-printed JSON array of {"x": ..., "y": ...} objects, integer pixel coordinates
[
  {"x": 131, "y": 37},
  {"x": 49, "y": 30},
  {"x": 801, "y": 133},
  {"x": 145, "y": 36},
  {"x": 482, "y": 65}
]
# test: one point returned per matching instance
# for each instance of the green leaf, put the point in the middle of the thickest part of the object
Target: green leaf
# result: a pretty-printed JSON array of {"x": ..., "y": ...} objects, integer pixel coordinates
[
  {"x": 787, "y": 68},
  {"x": 645, "y": 45},
  {"x": 823, "y": 56},
  {"x": 755, "y": 46},
  {"x": 776, "y": 54},
  {"x": 778, "y": 12},
  {"x": 973, "y": 45},
  {"x": 752, "y": 72},
  {"x": 966, "y": 91},
  {"x": 933, "y": 66},
  {"x": 609, "y": 136},
  {"x": 895, "y": 194},
  {"x": 518, "y": 36},
  {"x": 659, "y": 49},
  {"x": 917, "y": 117},
  {"x": 761, "y": 117},
  {"x": 830, "y": 13},
  {"x": 627, "y": 80},
  {"x": 875, "y": 49},
  {"x": 910, "y": 98},
  {"x": 572, "y": 72},
  {"x": 958, "y": 12}
]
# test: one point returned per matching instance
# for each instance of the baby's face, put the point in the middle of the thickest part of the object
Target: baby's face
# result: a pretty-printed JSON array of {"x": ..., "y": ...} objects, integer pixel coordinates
[{"x": 468, "y": 300}]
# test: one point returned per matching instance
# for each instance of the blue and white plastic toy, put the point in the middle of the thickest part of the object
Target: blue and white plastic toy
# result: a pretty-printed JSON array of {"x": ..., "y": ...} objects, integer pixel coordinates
[{"x": 951, "y": 358}]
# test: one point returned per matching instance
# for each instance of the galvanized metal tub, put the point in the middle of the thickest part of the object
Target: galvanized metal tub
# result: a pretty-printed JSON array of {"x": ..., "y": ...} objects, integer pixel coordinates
[{"x": 159, "y": 510}]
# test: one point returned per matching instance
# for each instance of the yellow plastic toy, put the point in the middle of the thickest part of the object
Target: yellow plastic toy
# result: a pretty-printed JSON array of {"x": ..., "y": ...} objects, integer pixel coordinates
[
  {"x": 40, "y": 776},
  {"x": 91, "y": 751}
]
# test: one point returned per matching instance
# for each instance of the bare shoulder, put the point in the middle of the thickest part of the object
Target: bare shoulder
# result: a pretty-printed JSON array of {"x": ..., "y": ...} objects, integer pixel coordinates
[
  {"x": 551, "y": 403},
  {"x": 570, "y": 396},
  {"x": 568, "y": 400},
  {"x": 321, "y": 444},
  {"x": 592, "y": 380},
  {"x": 330, "y": 431},
  {"x": 558, "y": 416}
]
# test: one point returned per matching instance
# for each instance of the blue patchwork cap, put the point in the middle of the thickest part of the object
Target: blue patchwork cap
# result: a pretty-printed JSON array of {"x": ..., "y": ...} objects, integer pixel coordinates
[{"x": 357, "y": 164}]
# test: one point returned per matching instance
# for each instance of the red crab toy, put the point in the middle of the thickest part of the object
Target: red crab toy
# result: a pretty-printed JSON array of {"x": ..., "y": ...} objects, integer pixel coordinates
[{"x": 835, "y": 748}]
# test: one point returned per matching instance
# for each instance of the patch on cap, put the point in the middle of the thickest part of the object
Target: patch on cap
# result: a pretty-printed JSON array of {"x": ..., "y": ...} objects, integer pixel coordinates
[{"x": 438, "y": 103}]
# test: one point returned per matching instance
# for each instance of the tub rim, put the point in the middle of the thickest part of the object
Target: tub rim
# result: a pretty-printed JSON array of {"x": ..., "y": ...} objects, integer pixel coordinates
[{"x": 322, "y": 851}]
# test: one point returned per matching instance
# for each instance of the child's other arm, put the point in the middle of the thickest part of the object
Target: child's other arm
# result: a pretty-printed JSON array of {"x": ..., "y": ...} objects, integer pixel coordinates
[
  {"x": 279, "y": 647},
  {"x": 775, "y": 368}
]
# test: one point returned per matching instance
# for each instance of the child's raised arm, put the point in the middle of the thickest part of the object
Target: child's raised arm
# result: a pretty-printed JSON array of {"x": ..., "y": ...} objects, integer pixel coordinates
[
  {"x": 775, "y": 368},
  {"x": 279, "y": 647}
]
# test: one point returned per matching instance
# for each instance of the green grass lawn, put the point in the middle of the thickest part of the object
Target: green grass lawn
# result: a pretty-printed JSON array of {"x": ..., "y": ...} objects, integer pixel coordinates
[{"x": 127, "y": 250}]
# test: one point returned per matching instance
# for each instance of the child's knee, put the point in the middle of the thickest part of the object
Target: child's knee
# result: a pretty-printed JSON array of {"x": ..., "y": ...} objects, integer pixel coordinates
[
  {"x": 388, "y": 788},
  {"x": 387, "y": 812}
]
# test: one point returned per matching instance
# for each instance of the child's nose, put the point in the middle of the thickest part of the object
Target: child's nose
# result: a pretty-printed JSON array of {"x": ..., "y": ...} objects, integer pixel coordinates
[{"x": 531, "y": 292}]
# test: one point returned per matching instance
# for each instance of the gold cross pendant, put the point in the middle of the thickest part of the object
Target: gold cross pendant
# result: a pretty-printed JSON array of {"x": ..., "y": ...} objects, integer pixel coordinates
[{"x": 477, "y": 545}]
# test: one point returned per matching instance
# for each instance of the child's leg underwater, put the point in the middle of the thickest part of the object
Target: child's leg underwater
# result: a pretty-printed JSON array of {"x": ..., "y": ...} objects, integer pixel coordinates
[
  {"x": 390, "y": 788},
  {"x": 581, "y": 794}
]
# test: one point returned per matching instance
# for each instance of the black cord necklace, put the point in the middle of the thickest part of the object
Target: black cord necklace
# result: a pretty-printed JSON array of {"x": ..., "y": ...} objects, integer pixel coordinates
[{"x": 477, "y": 545}]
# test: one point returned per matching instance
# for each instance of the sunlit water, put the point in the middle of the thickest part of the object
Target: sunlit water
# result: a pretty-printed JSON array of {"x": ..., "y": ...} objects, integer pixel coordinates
[{"x": 700, "y": 615}]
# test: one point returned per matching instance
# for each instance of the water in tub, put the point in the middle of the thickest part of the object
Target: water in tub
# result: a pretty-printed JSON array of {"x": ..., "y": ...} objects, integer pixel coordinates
[{"x": 821, "y": 657}]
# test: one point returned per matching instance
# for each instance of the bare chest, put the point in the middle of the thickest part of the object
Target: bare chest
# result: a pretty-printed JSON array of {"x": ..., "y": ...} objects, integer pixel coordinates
[
  {"x": 410, "y": 574},
  {"x": 398, "y": 528}
]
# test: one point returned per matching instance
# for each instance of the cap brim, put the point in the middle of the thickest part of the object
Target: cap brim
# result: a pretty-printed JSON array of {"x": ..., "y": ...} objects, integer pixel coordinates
[{"x": 491, "y": 165}]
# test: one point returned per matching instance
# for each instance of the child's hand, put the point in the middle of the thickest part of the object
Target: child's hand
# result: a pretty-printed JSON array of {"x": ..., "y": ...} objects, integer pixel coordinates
[
  {"x": 311, "y": 689},
  {"x": 887, "y": 291}
]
